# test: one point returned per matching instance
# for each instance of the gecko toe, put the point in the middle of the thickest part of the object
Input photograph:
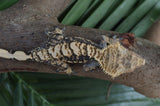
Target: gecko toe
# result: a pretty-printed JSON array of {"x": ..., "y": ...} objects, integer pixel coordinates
[
  {"x": 90, "y": 66},
  {"x": 69, "y": 70}
]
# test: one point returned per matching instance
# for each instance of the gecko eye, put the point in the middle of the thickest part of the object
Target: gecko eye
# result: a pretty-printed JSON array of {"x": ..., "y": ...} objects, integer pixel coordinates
[{"x": 108, "y": 43}]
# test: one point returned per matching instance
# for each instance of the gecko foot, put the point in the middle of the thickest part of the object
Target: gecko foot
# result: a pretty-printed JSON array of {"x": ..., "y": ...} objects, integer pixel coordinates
[
  {"x": 63, "y": 67},
  {"x": 90, "y": 66},
  {"x": 67, "y": 70}
]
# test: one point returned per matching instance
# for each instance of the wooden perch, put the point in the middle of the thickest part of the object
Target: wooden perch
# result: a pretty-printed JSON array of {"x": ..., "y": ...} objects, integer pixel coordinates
[{"x": 23, "y": 25}]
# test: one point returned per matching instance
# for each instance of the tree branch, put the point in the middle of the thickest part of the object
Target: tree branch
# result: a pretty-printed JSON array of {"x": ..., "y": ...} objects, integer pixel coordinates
[{"x": 22, "y": 28}]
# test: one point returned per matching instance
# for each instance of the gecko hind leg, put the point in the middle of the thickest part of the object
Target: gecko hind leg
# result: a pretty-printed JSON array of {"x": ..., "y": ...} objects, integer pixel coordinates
[
  {"x": 90, "y": 66},
  {"x": 62, "y": 66},
  {"x": 55, "y": 31}
]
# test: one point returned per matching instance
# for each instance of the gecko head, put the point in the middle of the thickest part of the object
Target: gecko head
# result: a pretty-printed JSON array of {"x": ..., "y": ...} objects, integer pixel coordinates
[{"x": 118, "y": 60}]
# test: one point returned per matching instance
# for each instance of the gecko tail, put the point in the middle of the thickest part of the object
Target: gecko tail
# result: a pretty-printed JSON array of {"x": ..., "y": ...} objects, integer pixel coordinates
[{"x": 18, "y": 55}]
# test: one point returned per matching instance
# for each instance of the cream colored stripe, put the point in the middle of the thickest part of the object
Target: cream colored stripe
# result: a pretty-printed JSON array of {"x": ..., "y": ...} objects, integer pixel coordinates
[{"x": 19, "y": 55}]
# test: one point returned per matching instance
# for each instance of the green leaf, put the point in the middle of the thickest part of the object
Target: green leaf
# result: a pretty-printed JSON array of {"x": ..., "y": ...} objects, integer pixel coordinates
[
  {"x": 78, "y": 91},
  {"x": 30, "y": 95},
  {"x": 77, "y": 10},
  {"x": 6, "y": 3},
  {"x": 98, "y": 14},
  {"x": 115, "y": 16},
  {"x": 147, "y": 21},
  {"x": 18, "y": 95},
  {"x": 6, "y": 97},
  {"x": 3, "y": 77},
  {"x": 31, "y": 99},
  {"x": 89, "y": 11},
  {"x": 136, "y": 15},
  {"x": 63, "y": 14}
]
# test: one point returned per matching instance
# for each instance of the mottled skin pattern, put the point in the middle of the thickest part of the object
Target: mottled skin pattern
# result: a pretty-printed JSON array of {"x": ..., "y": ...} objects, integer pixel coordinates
[
  {"x": 60, "y": 50},
  {"x": 111, "y": 56}
]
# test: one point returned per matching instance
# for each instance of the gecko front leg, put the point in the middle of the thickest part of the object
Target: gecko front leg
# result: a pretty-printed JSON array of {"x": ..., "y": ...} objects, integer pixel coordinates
[
  {"x": 93, "y": 64},
  {"x": 62, "y": 66},
  {"x": 90, "y": 66}
]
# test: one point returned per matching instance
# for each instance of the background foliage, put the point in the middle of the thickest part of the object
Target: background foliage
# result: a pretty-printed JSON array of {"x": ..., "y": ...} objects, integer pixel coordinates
[
  {"x": 4, "y": 4},
  {"x": 39, "y": 89}
]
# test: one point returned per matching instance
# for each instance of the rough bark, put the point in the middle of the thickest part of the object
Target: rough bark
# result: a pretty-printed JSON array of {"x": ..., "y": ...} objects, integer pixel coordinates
[
  {"x": 22, "y": 28},
  {"x": 153, "y": 33}
]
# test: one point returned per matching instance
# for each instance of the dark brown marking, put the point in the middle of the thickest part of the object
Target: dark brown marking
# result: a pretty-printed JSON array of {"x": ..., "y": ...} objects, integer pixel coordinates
[
  {"x": 91, "y": 50},
  {"x": 98, "y": 52},
  {"x": 61, "y": 53},
  {"x": 56, "y": 54},
  {"x": 85, "y": 48},
  {"x": 49, "y": 55},
  {"x": 101, "y": 57},
  {"x": 127, "y": 39},
  {"x": 65, "y": 46},
  {"x": 43, "y": 54},
  {"x": 80, "y": 49},
  {"x": 94, "y": 51},
  {"x": 76, "y": 44},
  {"x": 38, "y": 56},
  {"x": 53, "y": 49}
]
